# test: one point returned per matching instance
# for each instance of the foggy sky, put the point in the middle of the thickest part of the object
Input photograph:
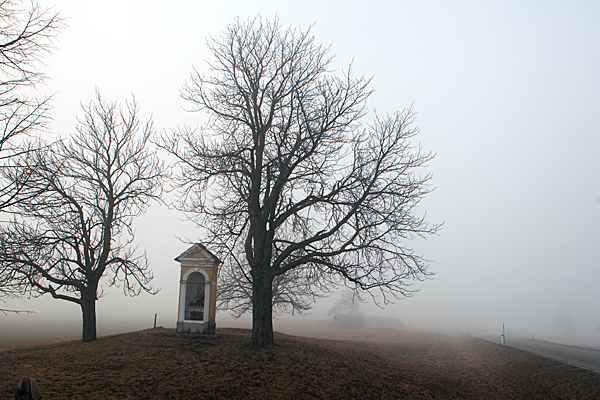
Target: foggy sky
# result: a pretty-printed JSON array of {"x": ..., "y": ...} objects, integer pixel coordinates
[{"x": 507, "y": 95}]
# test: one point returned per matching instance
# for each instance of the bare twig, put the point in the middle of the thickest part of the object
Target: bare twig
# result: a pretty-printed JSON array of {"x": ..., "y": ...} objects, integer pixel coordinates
[{"x": 18, "y": 312}]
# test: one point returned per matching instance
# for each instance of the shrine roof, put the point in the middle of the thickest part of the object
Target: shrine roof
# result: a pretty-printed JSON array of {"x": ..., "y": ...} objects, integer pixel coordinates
[{"x": 198, "y": 250}]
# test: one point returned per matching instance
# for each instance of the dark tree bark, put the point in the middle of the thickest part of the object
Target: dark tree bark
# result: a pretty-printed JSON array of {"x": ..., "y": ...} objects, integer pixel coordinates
[
  {"x": 88, "y": 311},
  {"x": 293, "y": 193},
  {"x": 82, "y": 196},
  {"x": 262, "y": 304}
]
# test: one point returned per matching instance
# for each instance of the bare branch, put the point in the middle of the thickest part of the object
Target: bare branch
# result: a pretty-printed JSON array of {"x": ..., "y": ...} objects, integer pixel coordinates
[
  {"x": 26, "y": 37},
  {"x": 18, "y": 312}
]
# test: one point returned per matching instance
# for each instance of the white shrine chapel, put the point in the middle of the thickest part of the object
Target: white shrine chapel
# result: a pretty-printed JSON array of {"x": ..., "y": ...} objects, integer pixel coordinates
[{"x": 197, "y": 290}]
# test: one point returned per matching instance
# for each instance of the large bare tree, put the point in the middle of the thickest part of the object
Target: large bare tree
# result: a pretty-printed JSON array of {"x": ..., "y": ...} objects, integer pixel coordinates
[
  {"x": 76, "y": 228},
  {"x": 26, "y": 36},
  {"x": 290, "y": 188}
]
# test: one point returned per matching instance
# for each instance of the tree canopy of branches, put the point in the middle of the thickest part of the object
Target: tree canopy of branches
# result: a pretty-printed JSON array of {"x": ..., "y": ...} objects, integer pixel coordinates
[
  {"x": 26, "y": 36},
  {"x": 293, "y": 192},
  {"x": 75, "y": 229}
]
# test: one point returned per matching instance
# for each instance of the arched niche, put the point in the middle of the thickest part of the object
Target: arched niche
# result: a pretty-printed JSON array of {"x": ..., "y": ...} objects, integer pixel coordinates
[{"x": 197, "y": 295}]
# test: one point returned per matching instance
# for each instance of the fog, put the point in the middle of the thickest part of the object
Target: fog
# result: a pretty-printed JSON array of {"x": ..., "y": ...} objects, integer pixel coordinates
[{"x": 507, "y": 95}]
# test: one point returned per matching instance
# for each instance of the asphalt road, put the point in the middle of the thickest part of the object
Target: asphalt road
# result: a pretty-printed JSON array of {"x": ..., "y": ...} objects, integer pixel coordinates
[{"x": 586, "y": 358}]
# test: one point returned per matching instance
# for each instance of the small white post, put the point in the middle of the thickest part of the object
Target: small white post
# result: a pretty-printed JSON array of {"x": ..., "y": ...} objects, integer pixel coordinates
[{"x": 502, "y": 336}]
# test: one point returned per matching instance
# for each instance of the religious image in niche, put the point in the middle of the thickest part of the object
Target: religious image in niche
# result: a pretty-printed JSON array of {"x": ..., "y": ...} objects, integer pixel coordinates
[{"x": 196, "y": 296}]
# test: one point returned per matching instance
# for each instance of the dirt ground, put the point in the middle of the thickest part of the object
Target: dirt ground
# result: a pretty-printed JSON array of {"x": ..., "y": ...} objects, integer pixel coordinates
[
  {"x": 19, "y": 344},
  {"x": 336, "y": 364}
]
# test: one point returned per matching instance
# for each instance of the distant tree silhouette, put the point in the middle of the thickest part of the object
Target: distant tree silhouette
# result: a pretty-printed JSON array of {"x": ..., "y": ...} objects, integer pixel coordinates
[
  {"x": 563, "y": 319},
  {"x": 76, "y": 229},
  {"x": 346, "y": 312}
]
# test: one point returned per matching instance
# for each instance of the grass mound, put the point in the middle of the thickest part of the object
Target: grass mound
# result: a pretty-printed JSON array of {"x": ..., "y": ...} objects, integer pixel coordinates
[{"x": 163, "y": 365}]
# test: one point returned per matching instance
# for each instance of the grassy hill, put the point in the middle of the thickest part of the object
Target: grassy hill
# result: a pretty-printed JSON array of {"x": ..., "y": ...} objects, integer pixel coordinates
[{"x": 383, "y": 364}]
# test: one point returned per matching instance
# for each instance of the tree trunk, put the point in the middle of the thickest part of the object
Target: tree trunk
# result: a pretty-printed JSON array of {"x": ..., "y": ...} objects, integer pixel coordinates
[
  {"x": 262, "y": 311},
  {"x": 88, "y": 308}
]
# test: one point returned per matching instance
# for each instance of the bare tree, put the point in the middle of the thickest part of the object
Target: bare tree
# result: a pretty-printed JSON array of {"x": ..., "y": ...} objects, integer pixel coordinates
[
  {"x": 76, "y": 230},
  {"x": 291, "y": 190},
  {"x": 26, "y": 36},
  {"x": 346, "y": 311}
]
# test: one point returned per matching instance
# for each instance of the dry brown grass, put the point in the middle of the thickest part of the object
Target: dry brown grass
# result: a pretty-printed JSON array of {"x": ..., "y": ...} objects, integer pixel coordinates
[
  {"x": 17, "y": 344},
  {"x": 159, "y": 364}
]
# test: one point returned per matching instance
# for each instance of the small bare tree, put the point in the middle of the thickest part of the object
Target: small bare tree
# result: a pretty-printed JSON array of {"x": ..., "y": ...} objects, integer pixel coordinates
[
  {"x": 346, "y": 311},
  {"x": 76, "y": 229},
  {"x": 26, "y": 36},
  {"x": 563, "y": 318},
  {"x": 296, "y": 196}
]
